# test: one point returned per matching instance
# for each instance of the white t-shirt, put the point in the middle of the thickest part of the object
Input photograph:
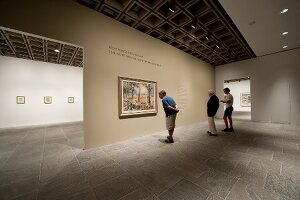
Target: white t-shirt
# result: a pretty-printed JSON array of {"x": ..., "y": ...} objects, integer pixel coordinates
[{"x": 228, "y": 97}]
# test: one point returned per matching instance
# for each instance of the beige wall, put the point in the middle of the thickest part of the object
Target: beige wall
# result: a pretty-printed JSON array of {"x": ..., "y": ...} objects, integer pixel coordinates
[{"x": 184, "y": 77}]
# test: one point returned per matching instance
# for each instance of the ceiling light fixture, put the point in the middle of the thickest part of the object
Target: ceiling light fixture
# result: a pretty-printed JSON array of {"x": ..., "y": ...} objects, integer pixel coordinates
[
  {"x": 56, "y": 50},
  {"x": 206, "y": 38},
  {"x": 284, "y": 11},
  {"x": 285, "y": 47},
  {"x": 217, "y": 46},
  {"x": 193, "y": 26},
  {"x": 171, "y": 10},
  {"x": 284, "y": 33}
]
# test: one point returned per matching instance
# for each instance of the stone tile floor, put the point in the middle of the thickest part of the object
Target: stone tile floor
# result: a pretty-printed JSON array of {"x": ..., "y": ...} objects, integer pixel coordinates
[{"x": 257, "y": 161}]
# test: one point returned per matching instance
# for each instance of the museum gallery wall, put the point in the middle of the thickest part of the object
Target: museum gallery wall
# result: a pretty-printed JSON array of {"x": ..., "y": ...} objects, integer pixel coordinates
[
  {"x": 37, "y": 93},
  {"x": 275, "y": 85},
  {"x": 115, "y": 50}
]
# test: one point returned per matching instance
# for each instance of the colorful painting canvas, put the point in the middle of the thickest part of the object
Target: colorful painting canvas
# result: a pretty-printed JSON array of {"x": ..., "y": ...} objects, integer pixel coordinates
[{"x": 137, "y": 97}]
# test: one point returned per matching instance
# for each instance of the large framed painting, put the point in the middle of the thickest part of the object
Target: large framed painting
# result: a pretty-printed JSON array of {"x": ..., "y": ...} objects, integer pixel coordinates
[
  {"x": 137, "y": 97},
  {"x": 245, "y": 99}
]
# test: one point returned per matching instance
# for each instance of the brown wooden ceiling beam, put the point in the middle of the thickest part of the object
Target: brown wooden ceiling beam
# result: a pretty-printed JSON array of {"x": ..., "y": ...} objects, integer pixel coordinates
[
  {"x": 8, "y": 42},
  {"x": 45, "y": 49},
  {"x": 61, "y": 49},
  {"x": 73, "y": 56},
  {"x": 28, "y": 47}
]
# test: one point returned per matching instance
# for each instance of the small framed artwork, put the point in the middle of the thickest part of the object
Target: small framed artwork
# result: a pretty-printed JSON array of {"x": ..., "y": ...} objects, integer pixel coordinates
[
  {"x": 20, "y": 99},
  {"x": 137, "y": 97},
  {"x": 48, "y": 100},
  {"x": 245, "y": 99},
  {"x": 70, "y": 99}
]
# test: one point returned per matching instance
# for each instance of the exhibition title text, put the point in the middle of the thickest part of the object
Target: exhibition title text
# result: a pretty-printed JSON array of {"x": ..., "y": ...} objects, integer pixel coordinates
[{"x": 131, "y": 55}]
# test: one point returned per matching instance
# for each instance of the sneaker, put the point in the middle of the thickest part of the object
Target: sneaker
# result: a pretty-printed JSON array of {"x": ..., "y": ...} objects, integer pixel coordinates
[
  {"x": 230, "y": 130},
  {"x": 169, "y": 141},
  {"x": 226, "y": 130}
]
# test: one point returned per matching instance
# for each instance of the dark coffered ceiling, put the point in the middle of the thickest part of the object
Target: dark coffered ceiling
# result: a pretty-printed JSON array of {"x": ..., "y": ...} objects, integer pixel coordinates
[
  {"x": 199, "y": 27},
  {"x": 22, "y": 45}
]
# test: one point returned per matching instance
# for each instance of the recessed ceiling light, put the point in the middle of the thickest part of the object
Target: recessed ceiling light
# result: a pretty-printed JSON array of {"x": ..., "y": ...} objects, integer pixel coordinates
[
  {"x": 284, "y": 11},
  {"x": 207, "y": 38},
  {"x": 218, "y": 47},
  {"x": 171, "y": 10},
  {"x": 285, "y": 47},
  {"x": 56, "y": 50},
  {"x": 284, "y": 33},
  {"x": 193, "y": 26}
]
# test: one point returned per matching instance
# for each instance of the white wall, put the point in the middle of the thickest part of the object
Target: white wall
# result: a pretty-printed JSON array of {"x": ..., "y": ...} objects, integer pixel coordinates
[
  {"x": 236, "y": 88},
  {"x": 275, "y": 85},
  {"x": 33, "y": 79}
]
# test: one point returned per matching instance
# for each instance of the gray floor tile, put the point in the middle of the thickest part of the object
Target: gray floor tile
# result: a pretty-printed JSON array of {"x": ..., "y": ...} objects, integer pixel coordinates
[
  {"x": 284, "y": 185},
  {"x": 289, "y": 170},
  {"x": 292, "y": 159},
  {"x": 216, "y": 182},
  {"x": 116, "y": 188},
  {"x": 4, "y": 156},
  {"x": 63, "y": 187},
  {"x": 263, "y": 157},
  {"x": 214, "y": 197},
  {"x": 184, "y": 190},
  {"x": 98, "y": 176},
  {"x": 222, "y": 165},
  {"x": 9, "y": 176},
  {"x": 28, "y": 196},
  {"x": 14, "y": 190},
  {"x": 53, "y": 170},
  {"x": 140, "y": 194},
  {"x": 246, "y": 191},
  {"x": 90, "y": 154},
  {"x": 257, "y": 170}
]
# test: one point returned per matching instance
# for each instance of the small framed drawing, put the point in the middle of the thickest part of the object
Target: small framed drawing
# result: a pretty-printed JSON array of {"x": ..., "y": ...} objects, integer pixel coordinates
[
  {"x": 245, "y": 99},
  {"x": 48, "y": 100},
  {"x": 20, "y": 99},
  {"x": 70, "y": 99},
  {"x": 137, "y": 98}
]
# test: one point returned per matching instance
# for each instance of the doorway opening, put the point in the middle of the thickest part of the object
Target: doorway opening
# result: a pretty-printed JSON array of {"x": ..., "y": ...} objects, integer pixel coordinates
[{"x": 240, "y": 90}]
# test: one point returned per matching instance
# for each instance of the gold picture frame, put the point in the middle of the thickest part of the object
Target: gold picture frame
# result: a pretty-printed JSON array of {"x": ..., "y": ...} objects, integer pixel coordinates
[
  {"x": 20, "y": 99},
  {"x": 70, "y": 99},
  {"x": 47, "y": 99},
  {"x": 137, "y": 97}
]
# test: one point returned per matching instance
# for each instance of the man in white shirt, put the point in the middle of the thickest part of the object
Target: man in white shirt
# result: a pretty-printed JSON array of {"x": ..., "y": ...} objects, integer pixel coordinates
[{"x": 228, "y": 101}]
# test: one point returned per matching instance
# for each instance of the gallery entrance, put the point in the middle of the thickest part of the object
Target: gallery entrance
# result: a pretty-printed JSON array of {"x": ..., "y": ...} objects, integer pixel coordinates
[{"x": 240, "y": 90}]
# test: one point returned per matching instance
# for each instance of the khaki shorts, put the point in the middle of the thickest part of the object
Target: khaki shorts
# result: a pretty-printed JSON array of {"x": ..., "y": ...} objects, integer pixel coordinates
[{"x": 170, "y": 122}]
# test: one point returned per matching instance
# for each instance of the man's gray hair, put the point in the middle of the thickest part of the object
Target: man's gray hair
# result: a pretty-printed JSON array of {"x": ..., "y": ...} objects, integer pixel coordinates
[{"x": 211, "y": 91}]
